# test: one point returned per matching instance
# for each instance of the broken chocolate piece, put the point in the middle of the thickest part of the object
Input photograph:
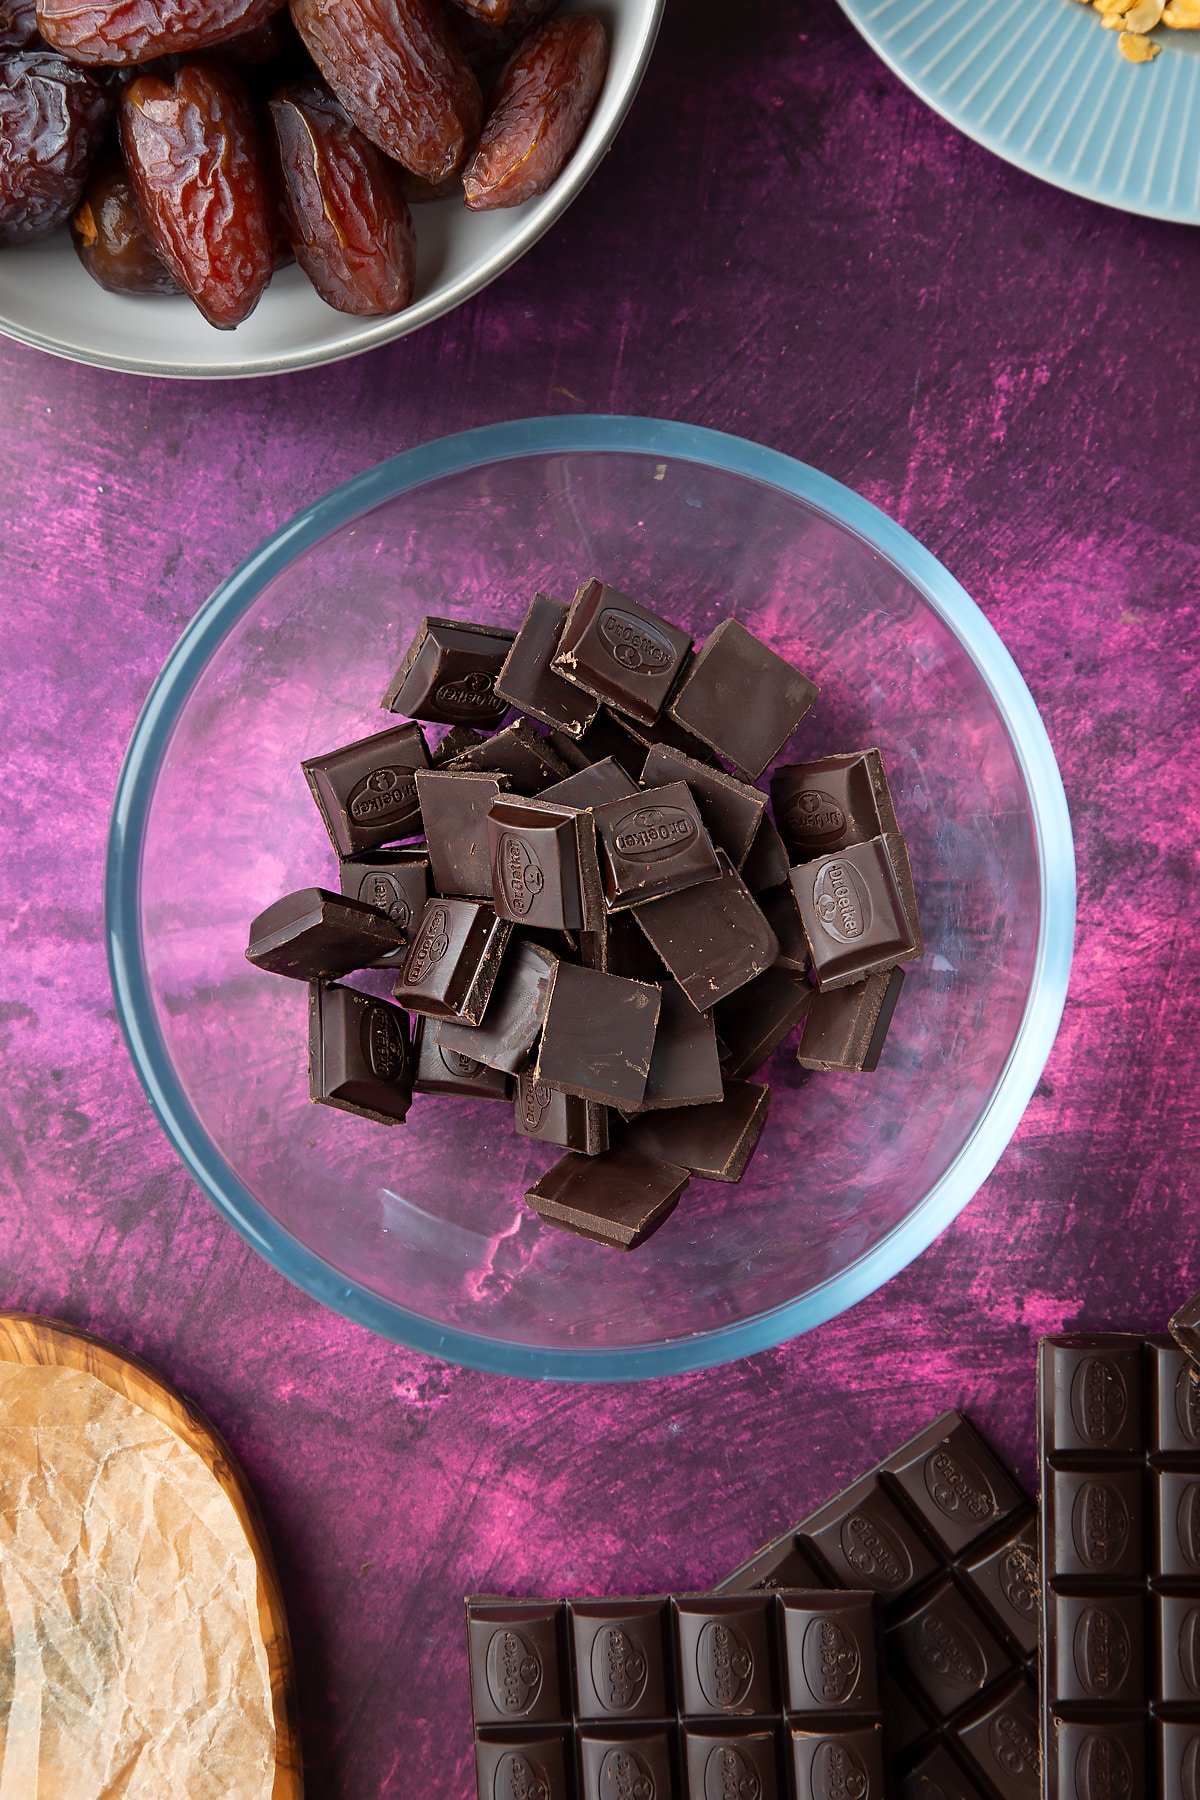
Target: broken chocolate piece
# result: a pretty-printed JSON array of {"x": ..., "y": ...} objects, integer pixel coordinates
[
  {"x": 454, "y": 960},
  {"x": 651, "y": 844},
  {"x": 845, "y": 1027},
  {"x": 617, "y": 1198},
  {"x": 456, "y": 740},
  {"x": 366, "y": 792},
  {"x": 528, "y": 681},
  {"x": 852, "y": 914},
  {"x": 592, "y": 786},
  {"x": 732, "y": 810},
  {"x": 1184, "y": 1326},
  {"x": 514, "y": 1016},
  {"x": 685, "y": 1069},
  {"x": 313, "y": 935},
  {"x": 741, "y": 699},
  {"x": 607, "y": 736},
  {"x": 557, "y": 1118},
  {"x": 716, "y": 1142},
  {"x": 441, "y": 1071},
  {"x": 598, "y": 1037},
  {"x": 454, "y": 807},
  {"x": 358, "y": 1053},
  {"x": 542, "y": 864},
  {"x": 620, "y": 652},
  {"x": 529, "y": 760},
  {"x": 713, "y": 939},
  {"x": 752, "y": 1023},
  {"x": 779, "y": 910},
  {"x": 393, "y": 882},
  {"x": 449, "y": 674},
  {"x": 767, "y": 864}
]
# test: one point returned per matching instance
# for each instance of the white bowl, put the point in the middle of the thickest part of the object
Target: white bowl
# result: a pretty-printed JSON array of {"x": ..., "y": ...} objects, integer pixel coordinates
[{"x": 48, "y": 301}]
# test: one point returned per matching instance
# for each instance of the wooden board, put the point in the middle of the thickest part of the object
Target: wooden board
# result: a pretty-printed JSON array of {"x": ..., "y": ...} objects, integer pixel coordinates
[{"x": 25, "y": 1339}]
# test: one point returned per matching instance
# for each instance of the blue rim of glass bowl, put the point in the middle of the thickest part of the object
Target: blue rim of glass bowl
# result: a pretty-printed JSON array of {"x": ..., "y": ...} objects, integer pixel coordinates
[{"x": 502, "y": 443}]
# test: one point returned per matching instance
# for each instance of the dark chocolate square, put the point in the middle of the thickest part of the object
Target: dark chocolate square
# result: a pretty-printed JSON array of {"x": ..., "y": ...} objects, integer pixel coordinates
[
  {"x": 685, "y": 1069},
  {"x": 753, "y": 1022},
  {"x": 946, "y": 1650},
  {"x": 555, "y": 1118},
  {"x": 767, "y": 865},
  {"x": 822, "y": 806},
  {"x": 619, "y": 1655},
  {"x": 539, "y": 857},
  {"x": 1099, "y": 1760},
  {"x": 620, "y": 652},
  {"x": 837, "y": 1762},
  {"x": 514, "y": 1014},
  {"x": 1007, "y": 1575},
  {"x": 741, "y": 698},
  {"x": 359, "y": 1058},
  {"x": 1175, "y": 1382},
  {"x": 442, "y": 1071},
  {"x": 598, "y": 1036},
  {"x": 725, "y": 1761},
  {"x": 366, "y": 792},
  {"x": 714, "y": 938},
  {"x": 715, "y": 1142},
  {"x": 1178, "y": 1746},
  {"x": 954, "y": 1484},
  {"x": 1177, "y": 1623},
  {"x": 1099, "y": 1654},
  {"x": 1093, "y": 1393},
  {"x": 1001, "y": 1740},
  {"x": 454, "y": 807},
  {"x": 454, "y": 960},
  {"x": 724, "y": 1655},
  {"x": 845, "y": 1028},
  {"x": 449, "y": 672},
  {"x": 1097, "y": 1522},
  {"x": 530, "y": 1765},
  {"x": 617, "y": 1198},
  {"x": 393, "y": 882},
  {"x": 852, "y": 914},
  {"x": 830, "y": 1653},
  {"x": 652, "y": 843},
  {"x": 528, "y": 681},
  {"x": 1177, "y": 1524},
  {"x": 516, "y": 1662},
  {"x": 732, "y": 810},
  {"x": 867, "y": 1541},
  {"x": 313, "y": 935},
  {"x": 633, "y": 1761}
]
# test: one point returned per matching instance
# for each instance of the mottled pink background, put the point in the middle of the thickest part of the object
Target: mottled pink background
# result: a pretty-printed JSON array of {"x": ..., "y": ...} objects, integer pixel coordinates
[{"x": 784, "y": 244}]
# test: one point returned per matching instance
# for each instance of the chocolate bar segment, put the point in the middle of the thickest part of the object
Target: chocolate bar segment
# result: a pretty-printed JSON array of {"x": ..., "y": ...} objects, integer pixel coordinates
[
  {"x": 448, "y": 674},
  {"x": 620, "y": 652},
  {"x": 651, "y": 844},
  {"x": 443, "y": 1071},
  {"x": 619, "y": 1197},
  {"x": 366, "y": 792},
  {"x": 716, "y": 1142},
  {"x": 528, "y": 681},
  {"x": 598, "y": 1037},
  {"x": 767, "y": 865},
  {"x": 454, "y": 960},
  {"x": 741, "y": 698},
  {"x": 359, "y": 1058},
  {"x": 592, "y": 786},
  {"x": 845, "y": 1027},
  {"x": 455, "y": 804},
  {"x": 543, "y": 867},
  {"x": 557, "y": 1118},
  {"x": 752, "y": 1023},
  {"x": 1119, "y": 1436},
  {"x": 713, "y": 938},
  {"x": 530, "y": 761},
  {"x": 852, "y": 914},
  {"x": 685, "y": 1069},
  {"x": 393, "y": 882},
  {"x": 313, "y": 935},
  {"x": 1185, "y": 1328},
  {"x": 513, "y": 1020},
  {"x": 732, "y": 810}
]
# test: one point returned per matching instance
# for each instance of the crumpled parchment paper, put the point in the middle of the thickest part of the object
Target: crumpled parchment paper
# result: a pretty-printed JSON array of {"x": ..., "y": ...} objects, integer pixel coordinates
[{"x": 132, "y": 1665}]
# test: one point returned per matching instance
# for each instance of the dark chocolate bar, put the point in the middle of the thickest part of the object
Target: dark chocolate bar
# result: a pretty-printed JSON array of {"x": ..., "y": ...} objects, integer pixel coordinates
[
  {"x": 454, "y": 960},
  {"x": 449, "y": 672},
  {"x": 845, "y": 1027},
  {"x": 1119, "y": 1436},
  {"x": 752, "y": 1023},
  {"x": 716, "y": 1142},
  {"x": 713, "y": 939},
  {"x": 852, "y": 914},
  {"x": 455, "y": 804},
  {"x": 393, "y": 882},
  {"x": 366, "y": 792},
  {"x": 732, "y": 810},
  {"x": 514, "y": 1016},
  {"x": 313, "y": 935},
  {"x": 685, "y": 1068},
  {"x": 556, "y": 1118},
  {"x": 529, "y": 682},
  {"x": 948, "y": 1541},
  {"x": 598, "y": 1036},
  {"x": 651, "y": 844},
  {"x": 618, "y": 1197},
  {"x": 620, "y": 652},
  {"x": 742, "y": 699},
  {"x": 441, "y": 1071},
  {"x": 358, "y": 1053},
  {"x": 529, "y": 760},
  {"x": 761, "y": 1697}
]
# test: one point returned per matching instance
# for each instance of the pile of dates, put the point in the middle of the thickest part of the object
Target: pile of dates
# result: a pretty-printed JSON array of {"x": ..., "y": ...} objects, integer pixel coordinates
[{"x": 195, "y": 145}]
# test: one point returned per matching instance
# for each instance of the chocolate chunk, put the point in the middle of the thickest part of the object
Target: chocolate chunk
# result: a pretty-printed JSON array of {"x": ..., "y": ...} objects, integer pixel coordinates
[
  {"x": 732, "y": 810},
  {"x": 779, "y": 910},
  {"x": 1185, "y": 1327},
  {"x": 367, "y": 792},
  {"x": 767, "y": 864},
  {"x": 685, "y": 1069},
  {"x": 393, "y": 882},
  {"x": 845, "y": 1027},
  {"x": 730, "y": 1759},
  {"x": 313, "y": 935},
  {"x": 598, "y": 1037},
  {"x": 514, "y": 1016},
  {"x": 652, "y": 844},
  {"x": 514, "y": 1652},
  {"x": 752, "y": 1023},
  {"x": 456, "y": 740},
  {"x": 824, "y": 806},
  {"x": 537, "y": 1764},
  {"x": 852, "y": 1762},
  {"x": 618, "y": 1198},
  {"x": 621, "y": 1759},
  {"x": 592, "y": 786},
  {"x": 556, "y": 1118},
  {"x": 714, "y": 1141},
  {"x": 713, "y": 938},
  {"x": 619, "y": 947},
  {"x": 741, "y": 699},
  {"x": 620, "y": 652},
  {"x": 665, "y": 734},
  {"x": 449, "y": 674},
  {"x": 607, "y": 736},
  {"x": 443, "y": 1071},
  {"x": 452, "y": 966},
  {"x": 852, "y": 914},
  {"x": 542, "y": 864},
  {"x": 454, "y": 806},
  {"x": 358, "y": 1053},
  {"x": 528, "y": 681},
  {"x": 529, "y": 760}
]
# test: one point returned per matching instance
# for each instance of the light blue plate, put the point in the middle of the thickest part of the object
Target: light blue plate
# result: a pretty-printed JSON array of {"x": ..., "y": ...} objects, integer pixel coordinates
[{"x": 1042, "y": 84}]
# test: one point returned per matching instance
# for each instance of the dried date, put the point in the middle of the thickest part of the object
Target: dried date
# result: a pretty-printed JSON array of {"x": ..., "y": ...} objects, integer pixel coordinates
[
  {"x": 111, "y": 239},
  {"x": 484, "y": 40},
  {"x": 394, "y": 68},
  {"x": 195, "y": 163},
  {"x": 18, "y": 24},
  {"x": 348, "y": 220},
  {"x": 52, "y": 116},
  {"x": 541, "y": 103},
  {"x": 119, "y": 33}
]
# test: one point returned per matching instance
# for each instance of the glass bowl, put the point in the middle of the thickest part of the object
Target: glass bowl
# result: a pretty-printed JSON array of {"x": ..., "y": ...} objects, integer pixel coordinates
[{"x": 421, "y": 1232}]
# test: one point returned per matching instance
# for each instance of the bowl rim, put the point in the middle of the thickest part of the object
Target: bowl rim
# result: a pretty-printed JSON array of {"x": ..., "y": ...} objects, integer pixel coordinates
[
  {"x": 501, "y": 443},
  {"x": 540, "y": 216}
]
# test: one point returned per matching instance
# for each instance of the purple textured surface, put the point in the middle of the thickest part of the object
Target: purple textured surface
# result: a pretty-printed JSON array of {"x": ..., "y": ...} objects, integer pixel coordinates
[{"x": 785, "y": 244}]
